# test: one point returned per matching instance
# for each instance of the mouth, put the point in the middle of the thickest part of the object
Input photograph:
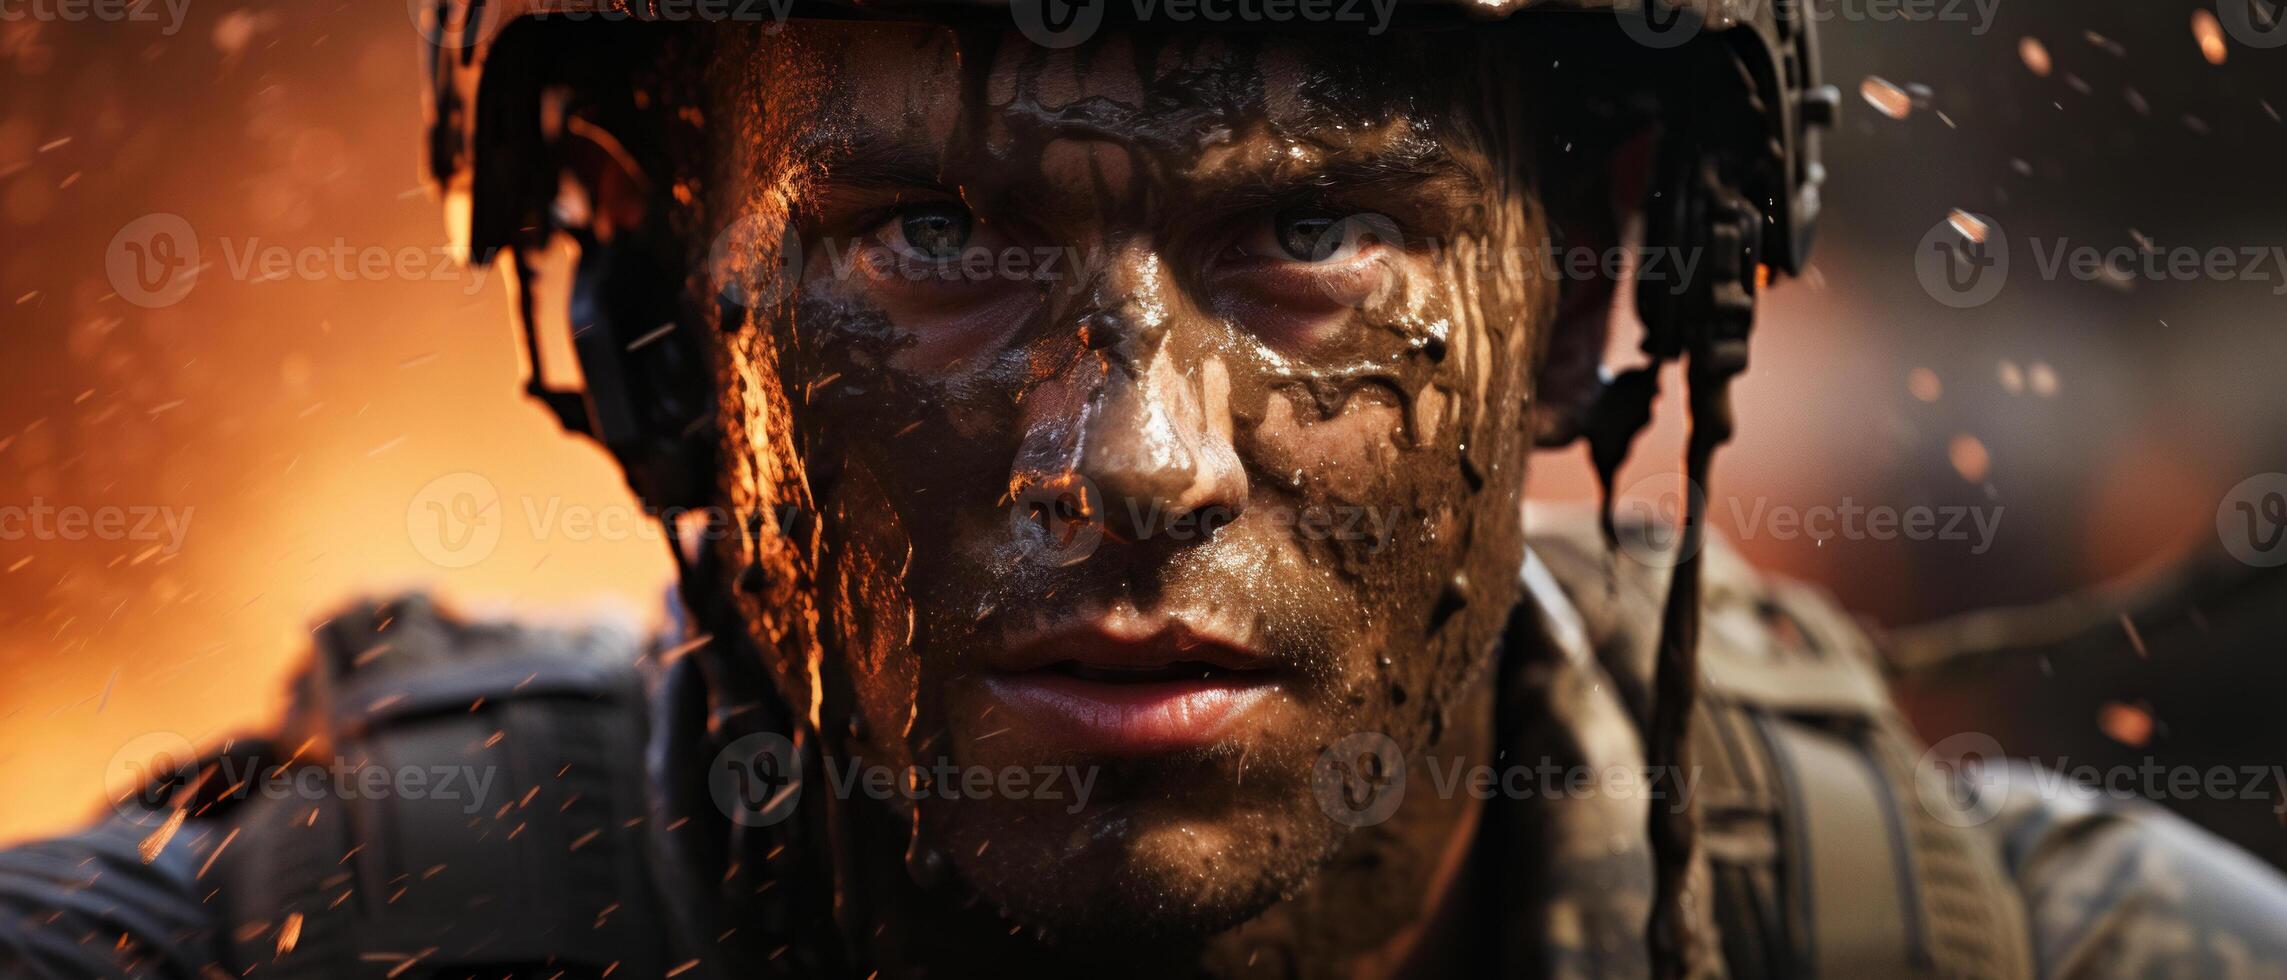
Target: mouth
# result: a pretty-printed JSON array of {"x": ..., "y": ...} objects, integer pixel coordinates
[{"x": 1108, "y": 688}]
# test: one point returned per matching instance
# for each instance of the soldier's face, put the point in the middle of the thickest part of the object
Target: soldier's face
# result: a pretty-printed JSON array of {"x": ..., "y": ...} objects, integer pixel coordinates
[{"x": 1162, "y": 405}]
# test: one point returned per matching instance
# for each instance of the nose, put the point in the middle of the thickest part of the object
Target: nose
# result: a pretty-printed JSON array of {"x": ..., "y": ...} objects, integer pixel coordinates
[
  {"x": 1157, "y": 448},
  {"x": 1155, "y": 433}
]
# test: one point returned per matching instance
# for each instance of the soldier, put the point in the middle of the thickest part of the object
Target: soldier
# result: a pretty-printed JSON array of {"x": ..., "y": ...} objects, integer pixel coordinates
[{"x": 1137, "y": 416}]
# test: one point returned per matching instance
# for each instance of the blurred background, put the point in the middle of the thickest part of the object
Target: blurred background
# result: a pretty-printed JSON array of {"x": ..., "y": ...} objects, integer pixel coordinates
[{"x": 298, "y": 423}]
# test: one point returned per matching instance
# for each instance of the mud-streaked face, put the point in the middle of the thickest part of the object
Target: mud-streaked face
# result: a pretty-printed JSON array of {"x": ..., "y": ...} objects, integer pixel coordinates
[{"x": 1162, "y": 405}]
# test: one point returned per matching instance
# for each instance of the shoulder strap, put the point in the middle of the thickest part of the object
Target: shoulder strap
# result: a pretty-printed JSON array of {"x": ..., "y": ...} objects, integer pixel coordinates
[{"x": 1823, "y": 860}]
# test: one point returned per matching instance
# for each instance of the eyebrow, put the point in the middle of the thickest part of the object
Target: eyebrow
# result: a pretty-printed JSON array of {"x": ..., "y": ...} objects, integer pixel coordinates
[
  {"x": 1414, "y": 161},
  {"x": 872, "y": 159},
  {"x": 1414, "y": 168}
]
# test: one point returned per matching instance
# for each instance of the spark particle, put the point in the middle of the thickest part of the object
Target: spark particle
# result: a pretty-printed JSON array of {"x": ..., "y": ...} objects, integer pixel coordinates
[
  {"x": 2129, "y": 724},
  {"x": 2035, "y": 55},
  {"x": 151, "y": 846},
  {"x": 1886, "y": 98},
  {"x": 1970, "y": 458},
  {"x": 2209, "y": 33}
]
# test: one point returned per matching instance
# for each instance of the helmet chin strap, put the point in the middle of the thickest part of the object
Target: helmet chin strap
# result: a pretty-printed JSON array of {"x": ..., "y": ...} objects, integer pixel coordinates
[{"x": 1706, "y": 329}]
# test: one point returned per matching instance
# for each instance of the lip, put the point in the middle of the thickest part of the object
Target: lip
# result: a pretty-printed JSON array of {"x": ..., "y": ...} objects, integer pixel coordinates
[{"x": 1123, "y": 686}]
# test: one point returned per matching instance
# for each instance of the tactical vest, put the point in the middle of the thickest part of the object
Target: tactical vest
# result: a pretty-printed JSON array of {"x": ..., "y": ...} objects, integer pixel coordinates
[{"x": 1819, "y": 859}]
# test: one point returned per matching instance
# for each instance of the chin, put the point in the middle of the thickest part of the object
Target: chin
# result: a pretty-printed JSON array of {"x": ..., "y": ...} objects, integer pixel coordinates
[{"x": 1157, "y": 872}]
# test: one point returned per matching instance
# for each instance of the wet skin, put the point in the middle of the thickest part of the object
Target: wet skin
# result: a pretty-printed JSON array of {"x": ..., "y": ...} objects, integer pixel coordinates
[{"x": 1224, "y": 466}]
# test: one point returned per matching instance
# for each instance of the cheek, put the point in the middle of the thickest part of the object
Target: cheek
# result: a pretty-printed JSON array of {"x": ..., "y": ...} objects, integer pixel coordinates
[
  {"x": 1347, "y": 457},
  {"x": 869, "y": 611},
  {"x": 1367, "y": 495},
  {"x": 940, "y": 317}
]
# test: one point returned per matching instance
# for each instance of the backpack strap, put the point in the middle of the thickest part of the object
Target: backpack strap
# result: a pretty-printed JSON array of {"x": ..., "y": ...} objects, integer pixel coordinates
[{"x": 1823, "y": 859}]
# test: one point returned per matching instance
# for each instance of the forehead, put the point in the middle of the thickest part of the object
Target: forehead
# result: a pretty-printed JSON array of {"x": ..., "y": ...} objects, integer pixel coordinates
[{"x": 1209, "y": 102}]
